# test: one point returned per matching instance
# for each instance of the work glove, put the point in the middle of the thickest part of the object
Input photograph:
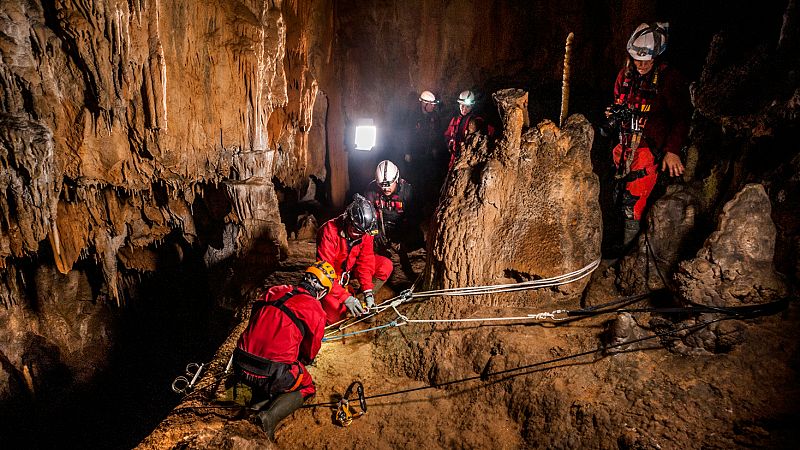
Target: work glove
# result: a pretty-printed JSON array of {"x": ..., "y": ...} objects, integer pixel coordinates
[
  {"x": 369, "y": 299},
  {"x": 353, "y": 306}
]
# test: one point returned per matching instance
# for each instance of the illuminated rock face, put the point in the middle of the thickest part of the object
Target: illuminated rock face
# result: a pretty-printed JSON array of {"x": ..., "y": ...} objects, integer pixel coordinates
[
  {"x": 125, "y": 126},
  {"x": 525, "y": 209},
  {"x": 107, "y": 104}
]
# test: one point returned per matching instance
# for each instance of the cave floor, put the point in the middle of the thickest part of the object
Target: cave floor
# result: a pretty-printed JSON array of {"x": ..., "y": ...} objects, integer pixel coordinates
[{"x": 634, "y": 399}]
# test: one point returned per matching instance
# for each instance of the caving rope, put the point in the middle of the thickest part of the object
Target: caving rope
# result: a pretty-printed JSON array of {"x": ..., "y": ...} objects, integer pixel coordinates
[
  {"x": 739, "y": 312},
  {"x": 345, "y": 413},
  {"x": 336, "y": 329}
]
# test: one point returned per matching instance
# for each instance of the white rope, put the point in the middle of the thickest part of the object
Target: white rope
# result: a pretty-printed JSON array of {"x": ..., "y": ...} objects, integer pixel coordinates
[
  {"x": 396, "y": 301},
  {"x": 539, "y": 316},
  {"x": 513, "y": 287}
]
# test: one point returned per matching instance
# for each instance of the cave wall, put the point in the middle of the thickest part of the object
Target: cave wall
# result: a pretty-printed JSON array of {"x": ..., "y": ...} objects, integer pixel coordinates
[
  {"x": 133, "y": 133},
  {"x": 106, "y": 101}
]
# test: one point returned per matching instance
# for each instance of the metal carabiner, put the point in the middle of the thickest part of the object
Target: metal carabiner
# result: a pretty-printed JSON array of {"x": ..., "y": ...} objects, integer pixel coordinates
[
  {"x": 344, "y": 279},
  {"x": 182, "y": 384}
]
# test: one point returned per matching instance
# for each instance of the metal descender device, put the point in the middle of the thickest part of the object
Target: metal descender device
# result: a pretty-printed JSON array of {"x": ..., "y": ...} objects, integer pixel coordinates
[{"x": 345, "y": 413}]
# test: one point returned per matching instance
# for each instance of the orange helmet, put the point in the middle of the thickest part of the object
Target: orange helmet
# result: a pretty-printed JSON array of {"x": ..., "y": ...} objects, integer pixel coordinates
[{"x": 323, "y": 273}]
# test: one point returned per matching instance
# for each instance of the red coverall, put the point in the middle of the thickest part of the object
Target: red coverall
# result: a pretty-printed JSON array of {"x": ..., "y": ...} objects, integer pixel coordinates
[
  {"x": 358, "y": 257},
  {"x": 665, "y": 130},
  {"x": 271, "y": 334},
  {"x": 457, "y": 131}
]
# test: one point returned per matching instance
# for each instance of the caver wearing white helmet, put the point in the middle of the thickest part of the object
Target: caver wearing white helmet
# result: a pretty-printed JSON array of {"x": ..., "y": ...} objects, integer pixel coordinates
[
  {"x": 428, "y": 102},
  {"x": 466, "y": 98},
  {"x": 651, "y": 112},
  {"x": 397, "y": 217},
  {"x": 428, "y": 97},
  {"x": 386, "y": 176},
  {"x": 648, "y": 41}
]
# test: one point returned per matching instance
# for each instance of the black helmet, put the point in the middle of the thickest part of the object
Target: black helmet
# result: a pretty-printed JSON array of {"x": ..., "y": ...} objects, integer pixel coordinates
[{"x": 361, "y": 215}]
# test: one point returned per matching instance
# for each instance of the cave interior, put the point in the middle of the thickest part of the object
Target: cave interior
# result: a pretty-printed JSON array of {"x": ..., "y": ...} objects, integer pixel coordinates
[{"x": 162, "y": 161}]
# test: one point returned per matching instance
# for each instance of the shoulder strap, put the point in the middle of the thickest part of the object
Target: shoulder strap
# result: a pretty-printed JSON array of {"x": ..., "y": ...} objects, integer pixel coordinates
[{"x": 280, "y": 304}]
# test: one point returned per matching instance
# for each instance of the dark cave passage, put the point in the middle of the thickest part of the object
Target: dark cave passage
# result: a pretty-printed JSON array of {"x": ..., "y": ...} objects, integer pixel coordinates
[{"x": 159, "y": 161}]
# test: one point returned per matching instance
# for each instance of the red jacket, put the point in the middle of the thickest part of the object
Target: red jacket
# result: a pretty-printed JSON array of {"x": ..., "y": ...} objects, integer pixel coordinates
[
  {"x": 667, "y": 126},
  {"x": 458, "y": 129},
  {"x": 359, "y": 257},
  {"x": 272, "y": 334}
]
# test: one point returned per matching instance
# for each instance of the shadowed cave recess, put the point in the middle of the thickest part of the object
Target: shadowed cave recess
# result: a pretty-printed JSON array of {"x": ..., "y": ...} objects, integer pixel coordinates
[{"x": 162, "y": 162}]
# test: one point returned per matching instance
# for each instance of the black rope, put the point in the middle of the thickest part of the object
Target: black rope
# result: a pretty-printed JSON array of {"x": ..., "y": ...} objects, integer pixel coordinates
[
  {"x": 547, "y": 362},
  {"x": 750, "y": 310}
]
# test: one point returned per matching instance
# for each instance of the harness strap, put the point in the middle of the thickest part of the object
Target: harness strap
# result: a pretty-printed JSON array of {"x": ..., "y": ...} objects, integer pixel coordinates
[
  {"x": 280, "y": 304},
  {"x": 252, "y": 363},
  {"x": 297, "y": 382}
]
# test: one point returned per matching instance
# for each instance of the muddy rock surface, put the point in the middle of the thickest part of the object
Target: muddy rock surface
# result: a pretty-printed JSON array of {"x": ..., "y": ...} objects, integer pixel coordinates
[
  {"x": 638, "y": 396},
  {"x": 671, "y": 233}
]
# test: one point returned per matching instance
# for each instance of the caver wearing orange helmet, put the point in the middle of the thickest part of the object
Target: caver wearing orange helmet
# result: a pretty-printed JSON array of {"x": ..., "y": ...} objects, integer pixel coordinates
[{"x": 284, "y": 334}]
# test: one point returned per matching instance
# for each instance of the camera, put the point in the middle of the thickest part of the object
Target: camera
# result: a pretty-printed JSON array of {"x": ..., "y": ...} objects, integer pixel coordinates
[{"x": 617, "y": 116}]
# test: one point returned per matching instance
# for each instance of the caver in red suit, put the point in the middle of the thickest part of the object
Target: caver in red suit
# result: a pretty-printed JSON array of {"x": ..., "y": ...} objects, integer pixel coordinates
[
  {"x": 350, "y": 258},
  {"x": 284, "y": 333},
  {"x": 661, "y": 98}
]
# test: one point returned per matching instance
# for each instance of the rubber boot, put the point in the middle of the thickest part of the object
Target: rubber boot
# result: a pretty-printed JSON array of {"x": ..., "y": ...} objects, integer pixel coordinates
[
  {"x": 280, "y": 409},
  {"x": 631, "y": 232}
]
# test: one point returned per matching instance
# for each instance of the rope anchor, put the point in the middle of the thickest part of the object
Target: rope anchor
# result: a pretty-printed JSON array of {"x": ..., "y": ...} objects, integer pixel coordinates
[{"x": 345, "y": 414}]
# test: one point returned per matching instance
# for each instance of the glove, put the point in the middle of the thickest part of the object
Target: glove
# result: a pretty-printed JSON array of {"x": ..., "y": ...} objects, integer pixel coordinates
[
  {"x": 353, "y": 306},
  {"x": 369, "y": 299}
]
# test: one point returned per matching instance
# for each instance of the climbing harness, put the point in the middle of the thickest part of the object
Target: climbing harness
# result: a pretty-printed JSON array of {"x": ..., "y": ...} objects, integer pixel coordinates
[
  {"x": 184, "y": 384},
  {"x": 345, "y": 414}
]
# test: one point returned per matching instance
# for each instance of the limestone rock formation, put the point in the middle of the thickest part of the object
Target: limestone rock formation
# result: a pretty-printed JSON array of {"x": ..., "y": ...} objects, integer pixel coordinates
[
  {"x": 735, "y": 265},
  {"x": 61, "y": 341},
  {"x": 146, "y": 122},
  {"x": 522, "y": 209},
  {"x": 125, "y": 126}
]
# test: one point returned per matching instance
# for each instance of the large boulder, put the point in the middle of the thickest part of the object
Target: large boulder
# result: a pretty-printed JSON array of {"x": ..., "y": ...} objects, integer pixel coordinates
[{"x": 735, "y": 265}]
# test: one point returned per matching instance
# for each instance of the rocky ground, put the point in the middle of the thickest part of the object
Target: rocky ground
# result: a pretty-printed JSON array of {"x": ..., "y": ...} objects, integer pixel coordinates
[{"x": 644, "y": 397}]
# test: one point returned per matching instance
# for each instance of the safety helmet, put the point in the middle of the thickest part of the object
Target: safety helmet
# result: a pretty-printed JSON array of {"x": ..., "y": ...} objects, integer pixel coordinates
[
  {"x": 361, "y": 215},
  {"x": 386, "y": 173},
  {"x": 320, "y": 276},
  {"x": 466, "y": 98},
  {"x": 648, "y": 41},
  {"x": 428, "y": 97}
]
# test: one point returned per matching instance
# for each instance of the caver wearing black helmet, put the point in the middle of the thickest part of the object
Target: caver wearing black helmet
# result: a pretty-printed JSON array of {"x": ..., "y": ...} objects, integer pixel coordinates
[{"x": 360, "y": 218}]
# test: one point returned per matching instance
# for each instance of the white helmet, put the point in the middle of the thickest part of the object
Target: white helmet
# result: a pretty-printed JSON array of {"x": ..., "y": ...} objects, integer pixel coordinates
[
  {"x": 428, "y": 97},
  {"x": 648, "y": 41},
  {"x": 386, "y": 173},
  {"x": 466, "y": 98}
]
